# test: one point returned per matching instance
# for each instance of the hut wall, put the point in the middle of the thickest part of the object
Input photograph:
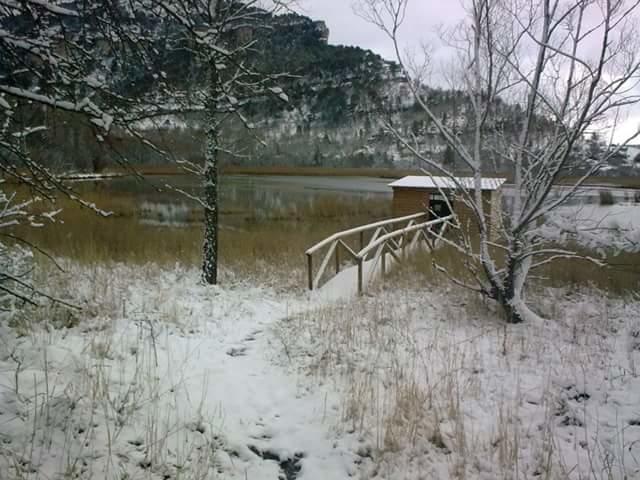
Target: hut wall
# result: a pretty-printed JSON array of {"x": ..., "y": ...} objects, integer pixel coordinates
[
  {"x": 496, "y": 213},
  {"x": 407, "y": 201}
]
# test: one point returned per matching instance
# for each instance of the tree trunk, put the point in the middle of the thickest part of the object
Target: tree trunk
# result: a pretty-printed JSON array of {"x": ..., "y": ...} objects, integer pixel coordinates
[
  {"x": 510, "y": 306},
  {"x": 511, "y": 297},
  {"x": 210, "y": 246}
]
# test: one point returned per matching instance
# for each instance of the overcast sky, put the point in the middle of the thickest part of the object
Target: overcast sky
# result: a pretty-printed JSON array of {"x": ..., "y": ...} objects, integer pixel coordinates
[{"x": 423, "y": 17}]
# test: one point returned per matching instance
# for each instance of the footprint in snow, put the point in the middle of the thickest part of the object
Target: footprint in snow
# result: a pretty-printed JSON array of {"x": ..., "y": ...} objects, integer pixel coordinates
[
  {"x": 241, "y": 350},
  {"x": 237, "y": 351},
  {"x": 252, "y": 336},
  {"x": 290, "y": 467}
]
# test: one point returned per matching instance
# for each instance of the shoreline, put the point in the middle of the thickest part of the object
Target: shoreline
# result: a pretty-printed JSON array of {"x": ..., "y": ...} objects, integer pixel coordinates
[{"x": 386, "y": 173}]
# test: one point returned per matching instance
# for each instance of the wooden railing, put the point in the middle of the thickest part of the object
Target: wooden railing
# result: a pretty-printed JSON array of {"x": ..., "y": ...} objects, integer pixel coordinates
[{"x": 387, "y": 238}]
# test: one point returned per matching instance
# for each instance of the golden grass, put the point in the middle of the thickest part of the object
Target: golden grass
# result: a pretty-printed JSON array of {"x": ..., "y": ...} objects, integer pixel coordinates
[
  {"x": 284, "y": 170},
  {"x": 410, "y": 367},
  {"x": 624, "y": 182},
  {"x": 249, "y": 243},
  {"x": 268, "y": 245},
  {"x": 620, "y": 276},
  {"x": 319, "y": 171}
]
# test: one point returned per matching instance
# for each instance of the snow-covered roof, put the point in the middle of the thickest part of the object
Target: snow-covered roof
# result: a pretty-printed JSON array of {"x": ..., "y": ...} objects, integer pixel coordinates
[{"x": 429, "y": 181}]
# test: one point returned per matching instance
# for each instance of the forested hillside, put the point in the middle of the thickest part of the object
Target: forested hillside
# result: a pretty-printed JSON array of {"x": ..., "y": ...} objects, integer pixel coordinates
[{"x": 339, "y": 100}]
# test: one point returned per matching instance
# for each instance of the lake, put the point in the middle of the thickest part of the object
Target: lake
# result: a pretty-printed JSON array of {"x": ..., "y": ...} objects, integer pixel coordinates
[
  {"x": 266, "y": 196},
  {"x": 266, "y": 224},
  {"x": 260, "y": 196}
]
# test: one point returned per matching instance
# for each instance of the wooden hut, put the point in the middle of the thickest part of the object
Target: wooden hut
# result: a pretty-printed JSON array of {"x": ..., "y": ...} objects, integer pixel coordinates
[{"x": 420, "y": 193}]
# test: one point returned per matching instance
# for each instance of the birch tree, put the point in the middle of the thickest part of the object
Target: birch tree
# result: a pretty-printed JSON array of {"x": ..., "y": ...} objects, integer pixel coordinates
[
  {"x": 221, "y": 36},
  {"x": 571, "y": 67}
]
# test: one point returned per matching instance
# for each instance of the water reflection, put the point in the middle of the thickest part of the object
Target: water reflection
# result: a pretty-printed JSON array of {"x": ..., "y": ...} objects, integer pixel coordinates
[{"x": 244, "y": 197}]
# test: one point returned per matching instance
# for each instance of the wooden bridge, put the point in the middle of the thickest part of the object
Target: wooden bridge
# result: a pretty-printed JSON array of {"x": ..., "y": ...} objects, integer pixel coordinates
[{"x": 396, "y": 237}]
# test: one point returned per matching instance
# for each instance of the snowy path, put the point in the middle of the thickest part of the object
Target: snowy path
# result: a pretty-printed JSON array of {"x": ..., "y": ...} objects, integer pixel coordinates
[
  {"x": 194, "y": 381},
  {"x": 265, "y": 411}
]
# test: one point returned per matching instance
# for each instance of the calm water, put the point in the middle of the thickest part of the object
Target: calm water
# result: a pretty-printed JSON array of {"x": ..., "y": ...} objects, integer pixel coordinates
[
  {"x": 244, "y": 194},
  {"x": 264, "y": 195}
]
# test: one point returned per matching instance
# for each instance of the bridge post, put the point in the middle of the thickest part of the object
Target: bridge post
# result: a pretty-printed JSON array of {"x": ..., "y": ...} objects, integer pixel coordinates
[
  {"x": 360, "y": 283},
  {"x": 310, "y": 269},
  {"x": 337, "y": 258},
  {"x": 405, "y": 253},
  {"x": 384, "y": 261}
]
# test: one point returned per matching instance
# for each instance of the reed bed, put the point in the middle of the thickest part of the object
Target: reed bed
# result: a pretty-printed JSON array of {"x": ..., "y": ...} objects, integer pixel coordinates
[
  {"x": 621, "y": 275},
  {"x": 270, "y": 246}
]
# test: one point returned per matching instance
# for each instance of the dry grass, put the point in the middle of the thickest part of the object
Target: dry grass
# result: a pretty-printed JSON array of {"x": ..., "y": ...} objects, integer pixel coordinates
[
  {"x": 104, "y": 394},
  {"x": 620, "y": 276},
  {"x": 271, "y": 247},
  {"x": 627, "y": 182},
  {"x": 397, "y": 393},
  {"x": 432, "y": 382},
  {"x": 172, "y": 169},
  {"x": 320, "y": 171},
  {"x": 277, "y": 170}
]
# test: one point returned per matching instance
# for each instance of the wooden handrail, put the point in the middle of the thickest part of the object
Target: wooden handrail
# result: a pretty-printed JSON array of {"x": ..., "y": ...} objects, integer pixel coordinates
[
  {"x": 396, "y": 233},
  {"x": 363, "y": 228}
]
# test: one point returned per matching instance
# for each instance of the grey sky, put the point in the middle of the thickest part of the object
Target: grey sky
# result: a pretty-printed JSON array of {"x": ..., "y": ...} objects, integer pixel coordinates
[{"x": 423, "y": 17}]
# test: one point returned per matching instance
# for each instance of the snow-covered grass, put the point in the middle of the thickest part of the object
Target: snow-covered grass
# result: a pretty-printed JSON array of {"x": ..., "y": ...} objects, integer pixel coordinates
[
  {"x": 436, "y": 386},
  {"x": 158, "y": 377},
  {"x": 597, "y": 227},
  {"x": 155, "y": 378}
]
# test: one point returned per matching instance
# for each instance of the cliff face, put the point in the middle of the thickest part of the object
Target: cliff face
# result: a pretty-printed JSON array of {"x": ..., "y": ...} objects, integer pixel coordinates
[
  {"x": 339, "y": 101},
  {"x": 343, "y": 97}
]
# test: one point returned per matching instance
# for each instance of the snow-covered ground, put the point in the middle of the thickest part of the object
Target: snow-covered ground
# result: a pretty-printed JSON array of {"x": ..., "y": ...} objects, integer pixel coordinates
[
  {"x": 436, "y": 386},
  {"x": 160, "y": 378},
  {"x": 597, "y": 227}
]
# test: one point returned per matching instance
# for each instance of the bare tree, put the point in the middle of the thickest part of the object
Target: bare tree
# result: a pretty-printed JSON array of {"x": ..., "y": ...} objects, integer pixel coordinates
[
  {"x": 62, "y": 62},
  {"x": 222, "y": 38},
  {"x": 45, "y": 66},
  {"x": 65, "y": 61},
  {"x": 570, "y": 67},
  {"x": 102, "y": 64}
]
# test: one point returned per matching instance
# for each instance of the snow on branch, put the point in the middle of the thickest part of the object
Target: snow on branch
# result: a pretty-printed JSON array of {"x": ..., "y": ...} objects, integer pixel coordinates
[{"x": 535, "y": 80}]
